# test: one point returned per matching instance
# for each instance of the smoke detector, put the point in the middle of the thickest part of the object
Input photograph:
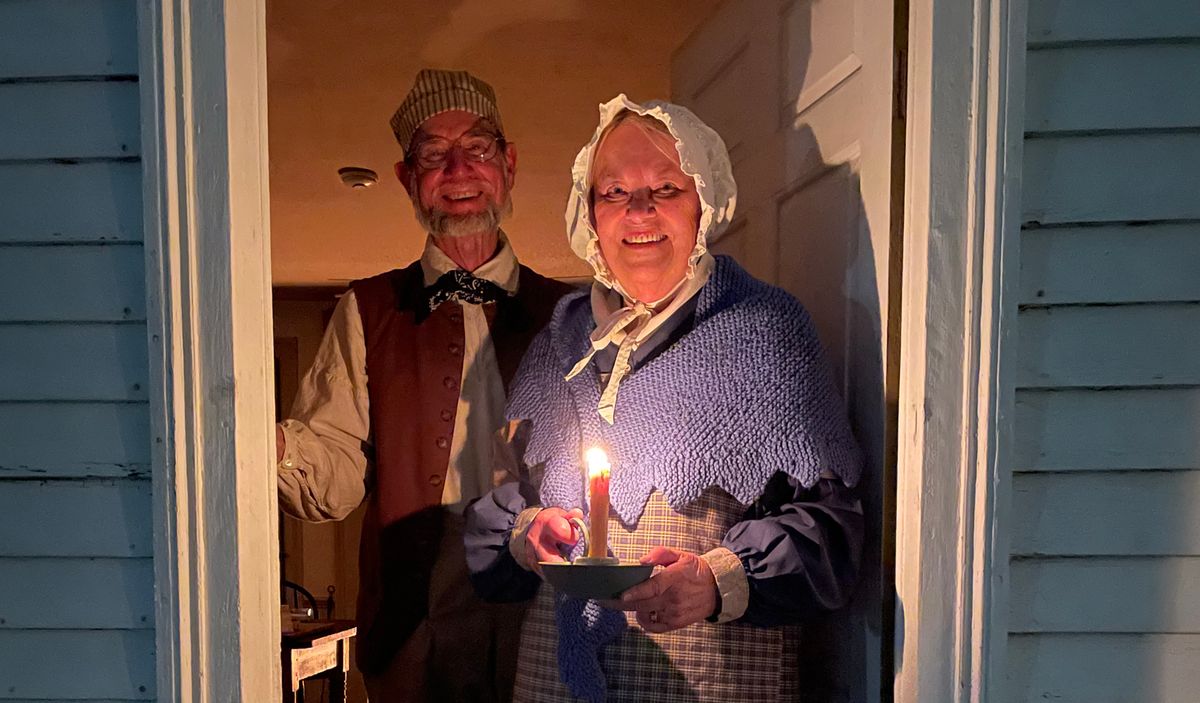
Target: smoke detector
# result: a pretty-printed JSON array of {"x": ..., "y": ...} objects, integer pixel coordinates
[{"x": 358, "y": 177}]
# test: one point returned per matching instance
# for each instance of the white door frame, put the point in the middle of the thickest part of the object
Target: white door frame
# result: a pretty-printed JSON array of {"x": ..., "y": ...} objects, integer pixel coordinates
[
  {"x": 204, "y": 149},
  {"x": 961, "y": 230},
  {"x": 203, "y": 71}
]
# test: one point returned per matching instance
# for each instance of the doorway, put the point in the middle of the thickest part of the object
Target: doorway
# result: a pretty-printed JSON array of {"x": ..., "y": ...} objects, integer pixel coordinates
[{"x": 802, "y": 91}]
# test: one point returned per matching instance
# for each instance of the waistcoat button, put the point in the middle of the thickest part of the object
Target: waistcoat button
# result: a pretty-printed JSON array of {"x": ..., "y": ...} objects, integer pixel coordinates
[
  {"x": 454, "y": 348},
  {"x": 446, "y": 415},
  {"x": 442, "y": 442},
  {"x": 450, "y": 383},
  {"x": 435, "y": 480}
]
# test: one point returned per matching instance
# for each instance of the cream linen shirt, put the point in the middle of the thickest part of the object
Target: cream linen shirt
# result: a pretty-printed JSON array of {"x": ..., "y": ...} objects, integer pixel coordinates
[{"x": 323, "y": 474}]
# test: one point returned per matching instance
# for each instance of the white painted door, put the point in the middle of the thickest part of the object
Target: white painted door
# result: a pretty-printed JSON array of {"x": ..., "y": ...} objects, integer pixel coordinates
[{"x": 802, "y": 92}]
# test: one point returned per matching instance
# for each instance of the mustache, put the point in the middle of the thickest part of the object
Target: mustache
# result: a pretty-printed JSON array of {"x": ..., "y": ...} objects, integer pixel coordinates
[
  {"x": 461, "y": 185},
  {"x": 440, "y": 223}
]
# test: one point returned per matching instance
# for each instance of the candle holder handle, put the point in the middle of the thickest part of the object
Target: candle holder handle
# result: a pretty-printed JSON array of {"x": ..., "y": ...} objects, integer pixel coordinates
[
  {"x": 585, "y": 536},
  {"x": 584, "y": 532}
]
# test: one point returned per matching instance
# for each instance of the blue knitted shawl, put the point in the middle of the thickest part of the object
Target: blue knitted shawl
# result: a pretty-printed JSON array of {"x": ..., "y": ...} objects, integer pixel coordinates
[{"x": 745, "y": 394}]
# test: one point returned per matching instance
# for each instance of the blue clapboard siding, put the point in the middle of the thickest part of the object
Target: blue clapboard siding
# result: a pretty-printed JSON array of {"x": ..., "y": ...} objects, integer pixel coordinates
[
  {"x": 92, "y": 283},
  {"x": 33, "y": 443},
  {"x": 77, "y": 664},
  {"x": 76, "y": 518},
  {"x": 1104, "y": 589},
  {"x": 1103, "y": 346},
  {"x": 46, "y": 120},
  {"x": 76, "y": 526},
  {"x": 1112, "y": 87},
  {"x": 1112, "y": 21},
  {"x": 92, "y": 594},
  {"x": 1139, "y": 594},
  {"x": 1110, "y": 264},
  {"x": 82, "y": 361},
  {"x": 56, "y": 38},
  {"x": 46, "y": 202},
  {"x": 1073, "y": 514},
  {"x": 1111, "y": 178},
  {"x": 1102, "y": 668},
  {"x": 1107, "y": 430}
]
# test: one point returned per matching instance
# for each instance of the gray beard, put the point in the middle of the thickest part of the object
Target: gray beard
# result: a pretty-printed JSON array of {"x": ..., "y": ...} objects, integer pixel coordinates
[{"x": 442, "y": 224}]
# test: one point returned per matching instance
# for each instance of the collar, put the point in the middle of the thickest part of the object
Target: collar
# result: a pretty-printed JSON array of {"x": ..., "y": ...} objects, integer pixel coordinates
[
  {"x": 501, "y": 269},
  {"x": 628, "y": 324}
]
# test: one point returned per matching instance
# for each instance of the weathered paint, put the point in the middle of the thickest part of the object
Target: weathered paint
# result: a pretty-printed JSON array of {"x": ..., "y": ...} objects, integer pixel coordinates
[
  {"x": 1106, "y": 490},
  {"x": 76, "y": 569}
]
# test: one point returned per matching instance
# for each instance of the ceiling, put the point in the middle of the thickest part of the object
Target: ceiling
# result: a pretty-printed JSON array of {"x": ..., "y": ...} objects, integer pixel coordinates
[{"x": 336, "y": 70}]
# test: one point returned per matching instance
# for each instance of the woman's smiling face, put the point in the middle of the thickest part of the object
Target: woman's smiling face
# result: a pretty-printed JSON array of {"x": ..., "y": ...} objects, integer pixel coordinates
[{"x": 645, "y": 209}]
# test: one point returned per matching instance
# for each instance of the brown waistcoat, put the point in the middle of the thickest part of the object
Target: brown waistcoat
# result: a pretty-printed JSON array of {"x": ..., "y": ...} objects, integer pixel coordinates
[{"x": 414, "y": 366}]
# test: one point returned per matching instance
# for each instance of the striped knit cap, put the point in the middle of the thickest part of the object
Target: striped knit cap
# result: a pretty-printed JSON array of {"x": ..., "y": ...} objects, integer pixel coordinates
[{"x": 436, "y": 91}]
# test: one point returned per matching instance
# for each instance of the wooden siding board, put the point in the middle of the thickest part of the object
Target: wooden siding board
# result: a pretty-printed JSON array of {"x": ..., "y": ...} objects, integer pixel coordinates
[
  {"x": 1104, "y": 587},
  {"x": 1118, "y": 20},
  {"x": 1151, "y": 263},
  {"x": 77, "y": 664},
  {"x": 1101, "y": 346},
  {"x": 93, "y": 283},
  {"x": 85, "y": 594},
  {"x": 1159, "y": 595},
  {"x": 1112, "y": 178},
  {"x": 1112, "y": 87},
  {"x": 41, "y": 38},
  {"x": 69, "y": 120},
  {"x": 84, "y": 202},
  {"x": 1103, "y": 668},
  {"x": 1137, "y": 513},
  {"x": 74, "y": 362},
  {"x": 93, "y": 518},
  {"x": 1110, "y": 429},
  {"x": 68, "y": 440}
]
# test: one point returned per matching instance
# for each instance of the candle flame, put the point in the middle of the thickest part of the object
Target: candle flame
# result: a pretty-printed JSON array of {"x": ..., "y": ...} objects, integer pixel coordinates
[{"x": 597, "y": 462}]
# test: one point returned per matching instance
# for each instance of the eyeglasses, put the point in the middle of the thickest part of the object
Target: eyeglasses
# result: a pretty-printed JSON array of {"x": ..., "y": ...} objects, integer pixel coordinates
[{"x": 431, "y": 153}]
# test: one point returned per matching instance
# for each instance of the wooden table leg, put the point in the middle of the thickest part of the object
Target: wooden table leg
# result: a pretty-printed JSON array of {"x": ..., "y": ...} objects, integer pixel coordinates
[
  {"x": 337, "y": 677},
  {"x": 289, "y": 684}
]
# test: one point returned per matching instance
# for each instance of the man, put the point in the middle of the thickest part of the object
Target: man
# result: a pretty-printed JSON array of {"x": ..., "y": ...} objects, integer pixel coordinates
[{"x": 405, "y": 395}]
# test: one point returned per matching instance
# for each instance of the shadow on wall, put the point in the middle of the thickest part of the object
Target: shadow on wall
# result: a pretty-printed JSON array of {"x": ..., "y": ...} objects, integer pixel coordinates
[
  {"x": 824, "y": 255},
  {"x": 840, "y": 653}
]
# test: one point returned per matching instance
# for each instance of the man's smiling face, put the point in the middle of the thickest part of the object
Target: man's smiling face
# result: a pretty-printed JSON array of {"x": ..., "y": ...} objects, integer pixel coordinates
[{"x": 463, "y": 195}]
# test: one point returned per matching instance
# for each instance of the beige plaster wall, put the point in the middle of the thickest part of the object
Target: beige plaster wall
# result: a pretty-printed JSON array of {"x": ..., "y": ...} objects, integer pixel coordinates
[{"x": 337, "y": 70}]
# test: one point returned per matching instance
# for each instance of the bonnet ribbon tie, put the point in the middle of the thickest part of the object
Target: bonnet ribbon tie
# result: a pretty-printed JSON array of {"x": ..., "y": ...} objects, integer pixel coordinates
[{"x": 621, "y": 328}]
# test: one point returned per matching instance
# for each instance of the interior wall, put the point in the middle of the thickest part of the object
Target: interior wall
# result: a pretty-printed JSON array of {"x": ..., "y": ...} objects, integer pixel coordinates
[{"x": 337, "y": 71}]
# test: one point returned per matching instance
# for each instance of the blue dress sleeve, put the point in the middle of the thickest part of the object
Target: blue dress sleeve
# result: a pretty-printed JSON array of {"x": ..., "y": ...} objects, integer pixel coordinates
[
  {"x": 495, "y": 574},
  {"x": 801, "y": 549}
]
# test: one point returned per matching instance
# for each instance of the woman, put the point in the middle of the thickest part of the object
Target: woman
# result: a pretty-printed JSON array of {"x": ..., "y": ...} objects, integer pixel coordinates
[{"x": 732, "y": 458}]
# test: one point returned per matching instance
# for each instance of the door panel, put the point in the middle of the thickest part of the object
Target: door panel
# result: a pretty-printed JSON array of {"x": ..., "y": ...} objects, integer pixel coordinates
[{"x": 802, "y": 92}]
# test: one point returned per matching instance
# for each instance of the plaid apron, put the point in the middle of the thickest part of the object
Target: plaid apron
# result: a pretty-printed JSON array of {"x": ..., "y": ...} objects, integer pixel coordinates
[{"x": 700, "y": 663}]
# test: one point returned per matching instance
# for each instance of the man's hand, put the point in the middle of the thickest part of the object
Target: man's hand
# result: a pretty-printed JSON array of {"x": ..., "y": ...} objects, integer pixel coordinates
[
  {"x": 683, "y": 593},
  {"x": 548, "y": 533},
  {"x": 280, "y": 444}
]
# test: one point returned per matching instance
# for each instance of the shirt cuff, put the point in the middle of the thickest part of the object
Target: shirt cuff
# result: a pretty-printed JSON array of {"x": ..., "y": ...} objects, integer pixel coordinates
[
  {"x": 516, "y": 539},
  {"x": 731, "y": 583},
  {"x": 291, "y": 453}
]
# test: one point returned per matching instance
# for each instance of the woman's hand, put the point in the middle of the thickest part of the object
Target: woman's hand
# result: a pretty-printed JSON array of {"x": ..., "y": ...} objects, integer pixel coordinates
[
  {"x": 549, "y": 532},
  {"x": 683, "y": 593}
]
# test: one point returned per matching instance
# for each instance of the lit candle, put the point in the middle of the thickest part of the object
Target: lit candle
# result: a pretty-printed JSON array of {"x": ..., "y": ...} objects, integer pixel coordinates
[{"x": 598, "y": 470}]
